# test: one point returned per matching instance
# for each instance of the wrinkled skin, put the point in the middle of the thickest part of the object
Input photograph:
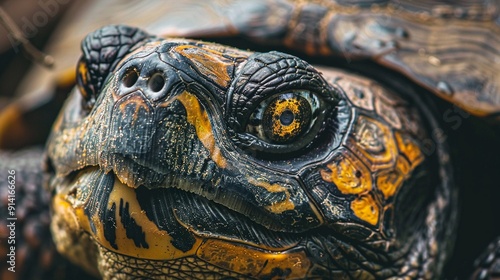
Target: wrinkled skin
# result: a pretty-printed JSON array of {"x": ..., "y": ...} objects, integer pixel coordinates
[{"x": 199, "y": 160}]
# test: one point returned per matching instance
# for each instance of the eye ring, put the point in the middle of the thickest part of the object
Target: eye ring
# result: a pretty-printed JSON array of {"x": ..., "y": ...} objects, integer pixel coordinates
[{"x": 262, "y": 78}]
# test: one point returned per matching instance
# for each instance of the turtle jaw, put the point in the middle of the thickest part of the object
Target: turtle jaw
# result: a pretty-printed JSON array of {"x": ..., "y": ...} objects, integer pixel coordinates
[
  {"x": 125, "y": 227},
  {"x": 164, "y": 225}
]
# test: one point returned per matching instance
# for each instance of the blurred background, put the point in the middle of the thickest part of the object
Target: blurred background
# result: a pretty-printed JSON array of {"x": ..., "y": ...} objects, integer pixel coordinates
[{"x": 36, "y": 19}]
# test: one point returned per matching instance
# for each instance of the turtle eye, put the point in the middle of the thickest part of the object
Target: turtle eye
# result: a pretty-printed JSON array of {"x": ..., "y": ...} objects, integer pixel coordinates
[
  {"x": 278, "y": 104},
  {"x": 285, "y": 117}
]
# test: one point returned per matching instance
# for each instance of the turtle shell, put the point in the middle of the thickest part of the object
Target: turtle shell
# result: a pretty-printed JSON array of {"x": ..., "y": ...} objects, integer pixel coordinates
[{"x": 449, "y": 48}]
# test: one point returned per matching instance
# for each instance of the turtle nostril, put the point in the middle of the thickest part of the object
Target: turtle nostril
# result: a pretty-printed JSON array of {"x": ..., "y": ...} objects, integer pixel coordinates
[
  {"x": 130, "y": 78},
  {"x": 156, "y": 82}
]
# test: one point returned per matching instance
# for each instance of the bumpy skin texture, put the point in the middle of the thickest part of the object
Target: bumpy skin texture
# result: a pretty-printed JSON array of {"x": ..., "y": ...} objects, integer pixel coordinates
[
  {"x": 200, "y": 160},
  {"x": 25, "y": 225}
]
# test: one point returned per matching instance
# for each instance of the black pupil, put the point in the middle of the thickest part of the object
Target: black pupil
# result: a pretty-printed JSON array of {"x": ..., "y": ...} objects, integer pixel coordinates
[{"x": 287, "y": 117}]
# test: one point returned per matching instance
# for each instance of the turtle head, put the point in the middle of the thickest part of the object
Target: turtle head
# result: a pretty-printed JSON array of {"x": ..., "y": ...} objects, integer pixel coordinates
[{"x": 172, "y": 151}]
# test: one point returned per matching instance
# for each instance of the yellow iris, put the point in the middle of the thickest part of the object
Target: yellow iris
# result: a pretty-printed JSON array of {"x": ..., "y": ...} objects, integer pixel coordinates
[{"x": 286, "y": 118}]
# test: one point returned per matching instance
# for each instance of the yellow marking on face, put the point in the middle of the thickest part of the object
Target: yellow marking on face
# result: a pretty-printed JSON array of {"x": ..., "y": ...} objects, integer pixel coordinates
[
  {"x": 365, "y": 208},
  {"x": 83, "y": 219},
  {"x": 68, "y": 237},
  {"x": 410, "y": 149},
  {"x": 159, "y": 241},
  {"x": 278, "y": 207},
  {"x": 251, "y": 261},
  {"x": 373, "y": 142},
  {"x": 349, "y": 174},
  {"x": 211, "y": 63},
  {"x": 389, "y": 182},
  {"x": 198, "y": 117}
]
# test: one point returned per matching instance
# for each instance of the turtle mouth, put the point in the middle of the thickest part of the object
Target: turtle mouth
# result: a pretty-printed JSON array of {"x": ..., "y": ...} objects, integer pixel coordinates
[{"x": 162, "y": 223}]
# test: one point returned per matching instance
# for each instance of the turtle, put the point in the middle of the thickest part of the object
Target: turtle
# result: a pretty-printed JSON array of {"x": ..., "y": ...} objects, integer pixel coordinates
[{"x": 180, "y": 158}]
